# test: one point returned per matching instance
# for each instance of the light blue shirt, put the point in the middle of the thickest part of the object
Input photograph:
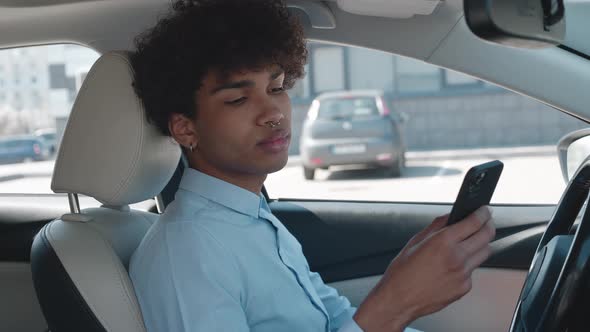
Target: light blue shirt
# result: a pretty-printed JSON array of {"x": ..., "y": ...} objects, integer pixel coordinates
[{"x": 219, "y": 260}]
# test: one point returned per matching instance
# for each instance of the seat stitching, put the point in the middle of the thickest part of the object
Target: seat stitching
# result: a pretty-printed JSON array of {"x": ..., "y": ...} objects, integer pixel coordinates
[{"x": 118, "y": 273}]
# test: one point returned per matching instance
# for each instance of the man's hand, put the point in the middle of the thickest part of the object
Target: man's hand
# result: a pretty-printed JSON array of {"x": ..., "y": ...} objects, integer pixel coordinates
[{"x": 433, "y": 270}]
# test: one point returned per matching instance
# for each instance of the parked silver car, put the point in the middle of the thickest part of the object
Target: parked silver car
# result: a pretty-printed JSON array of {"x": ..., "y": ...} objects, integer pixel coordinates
[{"x": 352, "y": 128}]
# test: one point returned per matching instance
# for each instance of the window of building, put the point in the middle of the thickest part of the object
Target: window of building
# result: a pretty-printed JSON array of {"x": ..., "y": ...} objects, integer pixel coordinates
[
  {"x": 328, "y": 68},
  {"x": 414, "y": 76},
  {"x": 371, "y": 69},
  {"x": 452, "y": 79}
]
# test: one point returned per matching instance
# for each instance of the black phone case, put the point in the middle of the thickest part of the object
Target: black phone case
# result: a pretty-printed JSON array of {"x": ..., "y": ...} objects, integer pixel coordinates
[{"x": 477, "y": 189}]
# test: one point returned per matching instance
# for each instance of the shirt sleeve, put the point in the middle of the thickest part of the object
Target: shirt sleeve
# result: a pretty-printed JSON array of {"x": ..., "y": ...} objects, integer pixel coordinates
[
  {"x": 350, "y": 326},
  {"x": 199, "y": 290},
  {"x": 338, "y": 307}
]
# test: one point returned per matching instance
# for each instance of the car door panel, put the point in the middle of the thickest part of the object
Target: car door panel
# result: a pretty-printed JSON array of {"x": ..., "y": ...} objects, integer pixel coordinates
[
  {"x": 20, "y": 222},
  {"x": 487, "y": 307},
  {"x": 351, "y": 244},
  {"x": 19, "y": 308},
  {"x": 348, "y": 240}
]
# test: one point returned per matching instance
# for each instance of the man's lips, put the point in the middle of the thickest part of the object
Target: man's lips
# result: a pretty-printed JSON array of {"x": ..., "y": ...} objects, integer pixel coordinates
[
  {"x": 277, "y": 137},
  {"x": 276, "y": 143}
]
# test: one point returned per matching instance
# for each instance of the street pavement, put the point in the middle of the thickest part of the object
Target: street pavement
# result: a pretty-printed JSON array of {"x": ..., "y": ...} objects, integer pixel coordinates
[{"x": 531, "y": 176}]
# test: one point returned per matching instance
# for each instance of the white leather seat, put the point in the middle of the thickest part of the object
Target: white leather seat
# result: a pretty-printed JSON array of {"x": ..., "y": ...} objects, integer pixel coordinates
[{"x": 109, "y": 152}]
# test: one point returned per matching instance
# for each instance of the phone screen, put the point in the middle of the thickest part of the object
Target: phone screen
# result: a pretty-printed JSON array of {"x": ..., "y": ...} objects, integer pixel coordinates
[{"x": 477, "y": 190}]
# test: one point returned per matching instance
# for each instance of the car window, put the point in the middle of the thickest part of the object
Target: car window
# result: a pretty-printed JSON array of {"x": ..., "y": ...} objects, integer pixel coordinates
[
  {"x": 38, "y": 87},
  {"x": 37, "y": 90},
  {"x": 441, "y": 123}
]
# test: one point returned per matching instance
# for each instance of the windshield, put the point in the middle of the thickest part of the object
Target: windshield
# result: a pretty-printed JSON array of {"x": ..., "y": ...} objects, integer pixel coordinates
[{"x": 578, "y": 25}]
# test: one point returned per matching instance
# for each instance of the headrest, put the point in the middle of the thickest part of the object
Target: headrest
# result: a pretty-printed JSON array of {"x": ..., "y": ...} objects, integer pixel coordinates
[{"x": 109, "y": 151}]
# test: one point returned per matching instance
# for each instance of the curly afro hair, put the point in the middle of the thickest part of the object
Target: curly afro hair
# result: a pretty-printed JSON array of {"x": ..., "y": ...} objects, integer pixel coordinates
[{"x": 198, "y": 36}]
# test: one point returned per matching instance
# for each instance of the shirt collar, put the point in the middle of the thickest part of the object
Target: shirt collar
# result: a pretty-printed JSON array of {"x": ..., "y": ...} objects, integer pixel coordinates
[{"x": 222, "y": 192}]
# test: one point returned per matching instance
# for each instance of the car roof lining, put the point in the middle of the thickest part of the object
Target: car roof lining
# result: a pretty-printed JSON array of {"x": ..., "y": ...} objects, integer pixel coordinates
[{"x": 37, "y": 3}]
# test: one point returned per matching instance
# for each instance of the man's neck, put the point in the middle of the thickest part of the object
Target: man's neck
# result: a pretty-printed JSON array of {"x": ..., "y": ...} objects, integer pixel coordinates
[{"x": 252, "y": 183}]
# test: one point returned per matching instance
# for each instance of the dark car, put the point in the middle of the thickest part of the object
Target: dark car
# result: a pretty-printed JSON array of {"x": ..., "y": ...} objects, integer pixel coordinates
[
  {"x": 352, "y": 128},
  {"x": 16, "y": 149},
  {"x": 49, "y": 136}
]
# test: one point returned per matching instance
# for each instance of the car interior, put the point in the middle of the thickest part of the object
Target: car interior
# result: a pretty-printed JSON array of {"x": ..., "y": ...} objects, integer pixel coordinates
[{"x": 63, "y": 261}]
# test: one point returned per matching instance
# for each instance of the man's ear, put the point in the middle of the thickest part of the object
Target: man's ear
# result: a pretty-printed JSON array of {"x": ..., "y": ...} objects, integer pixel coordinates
[{"x": 183, "y": 130}]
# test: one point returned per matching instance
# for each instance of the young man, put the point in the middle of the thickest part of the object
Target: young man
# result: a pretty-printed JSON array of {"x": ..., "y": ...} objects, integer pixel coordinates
[{"x": 213, "y": 76}]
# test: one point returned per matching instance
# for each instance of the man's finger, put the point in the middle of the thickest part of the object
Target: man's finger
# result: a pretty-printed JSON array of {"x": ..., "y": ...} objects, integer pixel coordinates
[
  {"x": 478, "y": 258},
  {"x": 480, "y": 239},
  {"x": 436, "y": 225},
  {"x": 470, "y": 225}
]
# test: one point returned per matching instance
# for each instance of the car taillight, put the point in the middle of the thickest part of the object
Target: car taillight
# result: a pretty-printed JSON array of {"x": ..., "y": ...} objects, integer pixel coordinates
[
  {"x": 384, "y": 156},
  {"x": 386, "y": 110},
  {"x": 36, "y": 148}
]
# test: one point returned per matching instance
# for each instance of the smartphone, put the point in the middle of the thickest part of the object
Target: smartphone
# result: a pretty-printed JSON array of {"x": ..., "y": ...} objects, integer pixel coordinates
[{"x": 477, "y": 190}]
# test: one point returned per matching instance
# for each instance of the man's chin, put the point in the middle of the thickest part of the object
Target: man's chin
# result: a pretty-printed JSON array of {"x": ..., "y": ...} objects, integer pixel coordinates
[{"x": 277, "y": 164}]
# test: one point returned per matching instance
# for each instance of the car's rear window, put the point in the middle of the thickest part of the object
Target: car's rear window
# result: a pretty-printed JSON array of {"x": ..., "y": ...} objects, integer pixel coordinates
[{"x": 347, "y": 108}]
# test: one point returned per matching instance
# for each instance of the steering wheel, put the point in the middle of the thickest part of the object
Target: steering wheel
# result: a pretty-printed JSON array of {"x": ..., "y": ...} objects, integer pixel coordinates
[{"x": 556, "y": 287}]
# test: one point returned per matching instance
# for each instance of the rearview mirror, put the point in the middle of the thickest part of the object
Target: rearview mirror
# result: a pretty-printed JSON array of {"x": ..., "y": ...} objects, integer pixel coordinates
[
  {"x": 572, "y": 150},
  {"x": 519, "y": 23}
]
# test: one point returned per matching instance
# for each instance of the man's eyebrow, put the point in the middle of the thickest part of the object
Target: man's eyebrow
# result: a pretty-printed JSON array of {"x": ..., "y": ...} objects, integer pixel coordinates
[
  {"x": 244, "y": 83},
  {"x": 233, "y": 85}
]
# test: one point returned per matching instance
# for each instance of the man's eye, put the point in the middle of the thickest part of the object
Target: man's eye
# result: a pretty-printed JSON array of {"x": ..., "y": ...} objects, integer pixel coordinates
[
  {"x": 278, "y": 90},
  {"x": 236, "y": 101}
]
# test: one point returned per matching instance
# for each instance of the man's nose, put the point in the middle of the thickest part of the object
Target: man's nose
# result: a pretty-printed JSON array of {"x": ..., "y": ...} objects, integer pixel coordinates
[{"x": 270, "y": 112}]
